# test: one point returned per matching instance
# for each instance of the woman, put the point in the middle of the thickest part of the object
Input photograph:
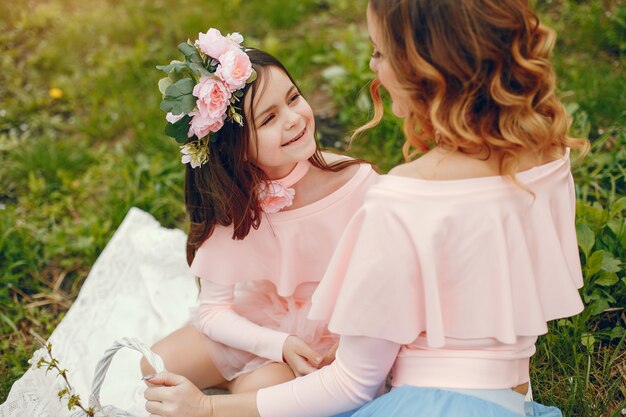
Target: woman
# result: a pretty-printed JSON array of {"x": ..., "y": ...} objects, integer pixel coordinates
[{"x": 457, "y": 260}]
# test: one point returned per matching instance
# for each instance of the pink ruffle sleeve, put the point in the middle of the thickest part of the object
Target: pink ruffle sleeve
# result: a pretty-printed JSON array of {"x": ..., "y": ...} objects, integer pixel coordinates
[{"x": 466, "y": 259}]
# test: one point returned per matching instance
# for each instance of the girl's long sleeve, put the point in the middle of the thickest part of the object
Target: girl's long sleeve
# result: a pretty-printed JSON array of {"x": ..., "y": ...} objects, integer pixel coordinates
[
  {"x": 360, "y": 368},
  {"x": 216, "y": 318}
]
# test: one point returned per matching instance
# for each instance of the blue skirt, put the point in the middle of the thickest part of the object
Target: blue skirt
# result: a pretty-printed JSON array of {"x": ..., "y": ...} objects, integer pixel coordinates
[{"x": 408, "y": 401}]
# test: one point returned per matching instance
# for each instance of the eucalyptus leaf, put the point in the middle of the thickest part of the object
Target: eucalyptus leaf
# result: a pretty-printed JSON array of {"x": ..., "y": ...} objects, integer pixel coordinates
[
  {"x": 586, "y": 238},
  {"x": 178, "y": 98},
  {"x": 164, "y": 83},
  {"x": 175, "y": 66},
  {"x": 179, "y": 129},
  {"x": 190, "y": 52},
  {"x": 199, "y": 69}
]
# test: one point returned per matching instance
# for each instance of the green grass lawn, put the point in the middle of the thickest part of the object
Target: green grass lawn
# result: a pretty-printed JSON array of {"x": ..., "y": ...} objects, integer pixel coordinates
[{"x": 81, "y": 141}]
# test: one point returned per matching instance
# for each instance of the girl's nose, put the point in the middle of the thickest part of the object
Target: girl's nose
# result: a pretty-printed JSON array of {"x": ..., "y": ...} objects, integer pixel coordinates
[{"x": 292, "y": 118}]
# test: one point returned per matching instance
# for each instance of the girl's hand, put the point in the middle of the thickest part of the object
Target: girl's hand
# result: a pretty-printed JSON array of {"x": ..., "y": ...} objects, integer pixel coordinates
[
  {"x": 173, "y": 395},
  {"x": 330, "y": 355},
  {"x": 300, "y": 357}
]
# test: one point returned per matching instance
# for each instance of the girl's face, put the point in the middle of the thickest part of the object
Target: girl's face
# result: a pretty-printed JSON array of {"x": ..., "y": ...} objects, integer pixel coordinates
[
  {"x": 380, "y": 65},
  {"x": 285, "y": 125}
]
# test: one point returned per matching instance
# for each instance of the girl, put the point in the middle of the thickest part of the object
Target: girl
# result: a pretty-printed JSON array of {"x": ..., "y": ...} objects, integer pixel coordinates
[
  {"x": 266, "y": 209},
  {"x": 456, "y": 260}
]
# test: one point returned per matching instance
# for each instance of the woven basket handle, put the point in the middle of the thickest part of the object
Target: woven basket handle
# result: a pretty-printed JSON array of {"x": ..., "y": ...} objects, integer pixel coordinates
[{"x": 102, "y": 367}]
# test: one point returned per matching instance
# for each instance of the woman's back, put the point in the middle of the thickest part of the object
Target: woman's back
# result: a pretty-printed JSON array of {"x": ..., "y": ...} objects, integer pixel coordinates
[{"x": 439, "y": 164}]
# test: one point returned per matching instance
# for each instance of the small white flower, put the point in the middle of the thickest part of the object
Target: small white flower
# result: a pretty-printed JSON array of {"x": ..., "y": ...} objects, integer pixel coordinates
[
  {"x": 194, "y": 153},
  {"x": 40, "y": 353},
  {"x": 237, "y": 118},
  {"x": 235, "y": 37}
]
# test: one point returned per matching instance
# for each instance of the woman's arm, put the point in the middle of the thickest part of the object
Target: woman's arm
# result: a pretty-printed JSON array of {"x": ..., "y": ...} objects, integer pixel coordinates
[{"x": 360, "y": 368}]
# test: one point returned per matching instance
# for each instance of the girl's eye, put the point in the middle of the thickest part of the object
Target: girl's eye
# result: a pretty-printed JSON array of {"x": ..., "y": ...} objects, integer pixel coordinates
[
  {"x": 294, "y": 97},
  {"x": 267, "y": 119},
  {"x": 376, "y": 54}
]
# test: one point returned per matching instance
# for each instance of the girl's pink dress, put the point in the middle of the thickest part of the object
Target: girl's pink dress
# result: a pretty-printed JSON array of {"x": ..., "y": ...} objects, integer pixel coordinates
[{"x": 274, "y": 272}]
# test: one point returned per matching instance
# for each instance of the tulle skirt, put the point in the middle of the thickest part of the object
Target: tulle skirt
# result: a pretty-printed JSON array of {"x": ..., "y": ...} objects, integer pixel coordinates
[
  {"x": 408, "y": 401},
  {"x": 259, "y": 302}
]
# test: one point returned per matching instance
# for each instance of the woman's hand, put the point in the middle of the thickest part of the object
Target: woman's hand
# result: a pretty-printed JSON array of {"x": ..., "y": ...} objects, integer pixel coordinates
[
  {"x": 300, "y": 357},
  {"x": 330, "y": 355},
  {"x": 173, "y": 395}
]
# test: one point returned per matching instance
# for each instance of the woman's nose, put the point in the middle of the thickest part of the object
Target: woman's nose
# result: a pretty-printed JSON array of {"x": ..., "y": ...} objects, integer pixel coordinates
[{"x": 373, "y": 65}]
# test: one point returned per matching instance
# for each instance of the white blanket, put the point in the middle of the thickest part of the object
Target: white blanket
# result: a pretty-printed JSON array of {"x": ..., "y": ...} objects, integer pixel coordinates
[{"x": 140, "y": 286}]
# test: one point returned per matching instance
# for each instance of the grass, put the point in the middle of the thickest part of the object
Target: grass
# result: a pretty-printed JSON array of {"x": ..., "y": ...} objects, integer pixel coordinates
[{"x": 72, "y": 166}]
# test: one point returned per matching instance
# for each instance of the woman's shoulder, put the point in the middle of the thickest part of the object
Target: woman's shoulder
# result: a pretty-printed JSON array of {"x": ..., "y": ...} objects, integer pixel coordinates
[{"x": 441, "y": 165}]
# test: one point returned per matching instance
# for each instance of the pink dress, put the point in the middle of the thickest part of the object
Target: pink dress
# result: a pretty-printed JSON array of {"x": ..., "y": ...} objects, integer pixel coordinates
[
  {"x": 447, "y": 283},
  {"x": 257, "y": 291}
]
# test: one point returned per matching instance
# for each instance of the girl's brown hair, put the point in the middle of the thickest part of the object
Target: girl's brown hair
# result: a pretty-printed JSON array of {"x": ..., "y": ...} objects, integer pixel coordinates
[
  {"x": 223, "y": 190},
  {"x": 478, "y": 75}
]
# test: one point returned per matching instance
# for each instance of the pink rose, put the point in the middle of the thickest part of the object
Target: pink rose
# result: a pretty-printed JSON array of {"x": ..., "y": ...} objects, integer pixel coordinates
[
  {"x": 213, "y": 97},
  {"x": 201, "y": 125},
  {"x": 235, "y": 37},
  {"x": 214, "y": 44},
  {"x": 273, "y": 196},
  {"x": 235, "y": 68}
]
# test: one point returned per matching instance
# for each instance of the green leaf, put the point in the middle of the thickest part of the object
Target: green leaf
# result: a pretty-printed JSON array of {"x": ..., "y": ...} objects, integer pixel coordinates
[
  {"x": 607, "y": 279},
  {"x": 617, "y": 332},
  {"x": 190, "y": 52},
  {"x": 586, "y": 238},
  {"x": 599, "y": 306},
  {"x": 179, "y": 129},
  {"x": 174, "y": 66},
  {"x": 617, "y": 226},
  {"x": 252, "y": 77},
  {"x": 617, "y": 208},
  {"x": 164, "y": 83},
  {"x": 610, "y": 264},
  {"x": 594, "y": 263},
  {"x": 199, "y": 69},
  {"x": 8, "y": 321},
  {"x": 178, "y": 98},
  {"x": 588, "y": 340}
]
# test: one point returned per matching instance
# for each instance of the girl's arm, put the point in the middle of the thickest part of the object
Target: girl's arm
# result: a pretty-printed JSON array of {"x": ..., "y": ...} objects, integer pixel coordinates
[
  {"x": 360, "y": 368},
  {"x": 216, "y": 318}
]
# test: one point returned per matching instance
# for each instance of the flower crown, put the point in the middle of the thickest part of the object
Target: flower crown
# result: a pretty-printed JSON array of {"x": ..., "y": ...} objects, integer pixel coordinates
[{"x": 201, "y": 92}]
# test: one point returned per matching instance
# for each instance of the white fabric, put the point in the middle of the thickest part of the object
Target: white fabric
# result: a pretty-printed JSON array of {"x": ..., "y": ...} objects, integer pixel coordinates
[
  {"x": 140, "y": 286},
  {"x": 360, "y": 368}
]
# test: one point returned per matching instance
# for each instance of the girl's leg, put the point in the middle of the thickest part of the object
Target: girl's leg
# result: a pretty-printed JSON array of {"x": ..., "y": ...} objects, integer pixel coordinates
[
  {"x": 186, "y": 353},
  {"x": 266, "y": 376}
]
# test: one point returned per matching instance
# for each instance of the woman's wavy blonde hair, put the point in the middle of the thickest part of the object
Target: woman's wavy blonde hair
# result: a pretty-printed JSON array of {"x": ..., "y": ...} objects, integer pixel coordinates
[{"x": 479, "y": 76}]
